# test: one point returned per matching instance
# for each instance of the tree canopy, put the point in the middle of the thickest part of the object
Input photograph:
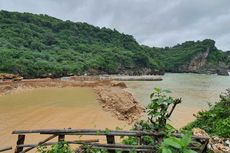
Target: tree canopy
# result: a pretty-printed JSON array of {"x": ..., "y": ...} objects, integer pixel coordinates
[{"x": 39, "y": 45}]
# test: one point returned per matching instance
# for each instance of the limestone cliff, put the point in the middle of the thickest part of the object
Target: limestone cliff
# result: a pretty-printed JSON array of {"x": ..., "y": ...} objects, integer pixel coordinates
[
  {"x": 198, "y": 61},
  {"x": 196, "y": 64},
  {"x": 199, "y": 64}
]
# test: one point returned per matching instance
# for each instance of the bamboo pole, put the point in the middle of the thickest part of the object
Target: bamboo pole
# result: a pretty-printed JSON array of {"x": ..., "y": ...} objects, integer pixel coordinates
[
  {"x": 40, "y": 143},
  {"x": 97, "y": 132},
  {"x": 87, "y": 132},
  {"x": 122, "y": 147},
  {"x": 5, "y": 149},
  {"x": 52, "y": 143}
]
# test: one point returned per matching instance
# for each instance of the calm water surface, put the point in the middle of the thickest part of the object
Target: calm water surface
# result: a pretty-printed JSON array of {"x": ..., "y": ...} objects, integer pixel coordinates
[{"x": 196, "y": 90}]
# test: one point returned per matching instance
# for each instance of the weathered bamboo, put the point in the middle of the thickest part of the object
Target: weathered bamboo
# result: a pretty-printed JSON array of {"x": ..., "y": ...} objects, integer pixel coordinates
[
  {"x": 87, "y": 132},
  {"x": 52, "y": 143},
  {"x": 110, "y": 136},
  {"x": 97, "y": 132},
  {"x": 126, "y": 150},
  {"x": 122, "y": 147},
  {"x": 5, "y": 149},
  {"x": 40, "y": 143}
]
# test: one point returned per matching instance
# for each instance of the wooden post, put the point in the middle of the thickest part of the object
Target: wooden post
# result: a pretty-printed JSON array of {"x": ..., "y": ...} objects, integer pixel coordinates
[
  {"x": 139, "y": 139},
  {"x": 21, "y": 139},
  {"x": 61, "y": 138},
  {"x": 204, "y": 147},
  {"x": 110, "y": 140}
]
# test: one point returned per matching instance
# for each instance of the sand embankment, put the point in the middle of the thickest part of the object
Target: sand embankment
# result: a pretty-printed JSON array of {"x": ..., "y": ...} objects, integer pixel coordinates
[{"x": 111, "y": 94}]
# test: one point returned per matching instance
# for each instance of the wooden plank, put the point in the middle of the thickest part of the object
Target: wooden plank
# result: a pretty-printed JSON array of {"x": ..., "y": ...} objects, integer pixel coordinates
[
  {"x": 20, "y": 141},
  {"x": 40, "y": 143},
  {"x": 5, "y": 149},
  {"x": 110, "y": 140}
]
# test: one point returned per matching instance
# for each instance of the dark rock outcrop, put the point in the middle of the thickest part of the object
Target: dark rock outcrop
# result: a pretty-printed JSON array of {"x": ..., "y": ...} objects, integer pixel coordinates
[{"x": 222, "y": 72}]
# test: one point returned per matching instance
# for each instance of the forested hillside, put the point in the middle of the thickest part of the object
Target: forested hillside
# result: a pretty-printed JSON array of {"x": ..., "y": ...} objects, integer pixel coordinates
[{"x": 40, "y": 46}]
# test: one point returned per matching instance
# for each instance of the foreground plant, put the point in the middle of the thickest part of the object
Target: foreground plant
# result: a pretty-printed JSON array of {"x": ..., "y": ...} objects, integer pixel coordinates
[
  {"x": 215, "y": 121},
  {"x": 61, "y": 147},
  {"x": 177, "y": 145},
  {"x": 159, "y": 111}
]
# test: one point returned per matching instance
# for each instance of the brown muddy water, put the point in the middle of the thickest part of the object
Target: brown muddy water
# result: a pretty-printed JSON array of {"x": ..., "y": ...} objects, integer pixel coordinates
[
  {"x": 196, "y": 91},
  {"x": 47, "y": 108},
  {"x": 77, "y": 107}
]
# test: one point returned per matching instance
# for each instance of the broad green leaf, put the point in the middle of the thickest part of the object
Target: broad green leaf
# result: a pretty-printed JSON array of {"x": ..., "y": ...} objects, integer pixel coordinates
[
  {"x": 189, "y": 151},
  {"x": 158, "y": 90},
  {"x": 172, "y": 142},
  {"x": 166, "y": 150},
  {"x": 186, "y": 139}
]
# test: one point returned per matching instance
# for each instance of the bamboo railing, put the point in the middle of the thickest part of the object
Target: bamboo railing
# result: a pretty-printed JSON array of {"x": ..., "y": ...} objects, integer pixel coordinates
[{"x": 111, "y": 146}]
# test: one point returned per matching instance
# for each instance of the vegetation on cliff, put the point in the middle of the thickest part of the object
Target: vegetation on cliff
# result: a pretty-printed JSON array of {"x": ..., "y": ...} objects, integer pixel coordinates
[
  {"x": 216, "y": 121},
  {"x": 40, "y": 46}
]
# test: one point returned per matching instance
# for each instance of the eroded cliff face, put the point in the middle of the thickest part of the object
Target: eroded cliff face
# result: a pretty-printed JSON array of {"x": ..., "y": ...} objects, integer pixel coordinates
[
  {"x": 199, "y": 64},
  {"x": 198, "y": 61}
]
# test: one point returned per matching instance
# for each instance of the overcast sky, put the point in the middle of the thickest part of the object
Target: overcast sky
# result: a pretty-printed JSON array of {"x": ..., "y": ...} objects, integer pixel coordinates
[{"x": 151, "y": 22}]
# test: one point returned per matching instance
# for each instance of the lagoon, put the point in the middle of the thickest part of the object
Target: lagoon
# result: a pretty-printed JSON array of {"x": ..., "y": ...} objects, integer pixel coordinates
[{"x": 196, "y": 91}]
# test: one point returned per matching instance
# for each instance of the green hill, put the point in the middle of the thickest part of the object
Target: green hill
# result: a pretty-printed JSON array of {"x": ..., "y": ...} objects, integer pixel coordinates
[{"x": 39, "y": 46}]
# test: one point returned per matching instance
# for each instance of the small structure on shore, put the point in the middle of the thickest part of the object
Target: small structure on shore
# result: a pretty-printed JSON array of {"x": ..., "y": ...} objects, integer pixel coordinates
[{"x": 115, "y": 77}]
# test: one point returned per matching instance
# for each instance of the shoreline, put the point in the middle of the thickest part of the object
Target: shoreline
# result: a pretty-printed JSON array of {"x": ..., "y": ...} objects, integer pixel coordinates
[{"x": 111, "y": 95}]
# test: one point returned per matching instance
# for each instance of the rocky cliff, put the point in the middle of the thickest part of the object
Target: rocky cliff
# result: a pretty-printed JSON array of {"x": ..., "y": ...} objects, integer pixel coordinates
[{"x": 200, "y": 63}]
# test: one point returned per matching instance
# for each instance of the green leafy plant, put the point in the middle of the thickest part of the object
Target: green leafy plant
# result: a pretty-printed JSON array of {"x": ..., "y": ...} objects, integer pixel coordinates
[
  {"x": 215, "y": 121},
  {"x": 176, "y": 145},
  {"x": 60, "y": 147},
  {"x": 159, "y": 111}
]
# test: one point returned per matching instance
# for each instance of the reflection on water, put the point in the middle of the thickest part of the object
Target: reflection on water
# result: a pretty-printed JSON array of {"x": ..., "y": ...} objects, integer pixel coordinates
[
  {"x": 51, "y": 108},
  {"x": 195, "y": 89}
]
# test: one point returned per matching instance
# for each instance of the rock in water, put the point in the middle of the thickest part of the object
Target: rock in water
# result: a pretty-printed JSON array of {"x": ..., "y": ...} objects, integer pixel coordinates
[{"x": 222, "y": 72}]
